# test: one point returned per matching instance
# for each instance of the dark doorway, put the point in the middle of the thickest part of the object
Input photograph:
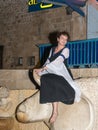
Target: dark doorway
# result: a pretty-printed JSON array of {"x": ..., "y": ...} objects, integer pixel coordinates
[{"x": 1, "y": 57}]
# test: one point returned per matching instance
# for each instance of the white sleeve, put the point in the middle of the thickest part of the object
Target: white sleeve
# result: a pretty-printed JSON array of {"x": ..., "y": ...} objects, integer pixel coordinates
[
  {"x": 58, "y": 62},
  {"x": 65, "y": 53}
]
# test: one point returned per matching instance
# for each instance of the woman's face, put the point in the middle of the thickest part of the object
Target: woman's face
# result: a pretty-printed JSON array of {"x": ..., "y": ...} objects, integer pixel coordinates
[{"x": 62, "y": 40}]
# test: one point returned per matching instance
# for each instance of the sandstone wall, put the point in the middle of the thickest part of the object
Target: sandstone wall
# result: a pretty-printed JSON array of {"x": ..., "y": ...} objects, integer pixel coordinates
[
  {"x": 15, "y": 79},
  {"x": 19, "y": 79},
  {"x": 22, "y": 31}
]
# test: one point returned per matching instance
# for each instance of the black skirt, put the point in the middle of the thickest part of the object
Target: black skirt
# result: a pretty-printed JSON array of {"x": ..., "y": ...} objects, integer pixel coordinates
[{"x": 55, "y": 88}]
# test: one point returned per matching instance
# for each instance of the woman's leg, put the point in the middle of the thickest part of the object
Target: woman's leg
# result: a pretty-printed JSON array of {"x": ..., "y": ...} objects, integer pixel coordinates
[{"x": 54, "y": 112}]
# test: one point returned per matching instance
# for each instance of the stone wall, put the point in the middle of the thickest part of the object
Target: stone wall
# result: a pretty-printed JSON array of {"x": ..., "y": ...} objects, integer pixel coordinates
[
  {"x": 22, "y": 31},
  {"x": 16, "y": 79},
  {"x": 19, "y": 79},
  {"x": 84, "y": 72}
]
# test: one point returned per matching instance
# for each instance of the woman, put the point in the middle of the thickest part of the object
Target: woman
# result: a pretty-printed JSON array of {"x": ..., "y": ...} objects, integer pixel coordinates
[{"x": 57, "y": 84}]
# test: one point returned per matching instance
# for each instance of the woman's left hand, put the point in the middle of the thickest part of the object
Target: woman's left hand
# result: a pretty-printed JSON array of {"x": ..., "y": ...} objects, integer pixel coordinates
[{"x": 38, "y": 70}]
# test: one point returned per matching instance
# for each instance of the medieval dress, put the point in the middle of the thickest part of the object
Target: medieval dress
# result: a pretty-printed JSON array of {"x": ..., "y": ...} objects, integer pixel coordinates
[{"x": 57, "y": 84}]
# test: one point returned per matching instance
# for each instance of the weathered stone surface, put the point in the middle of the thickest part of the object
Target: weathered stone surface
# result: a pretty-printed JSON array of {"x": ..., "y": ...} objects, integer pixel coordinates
[
  {"x": 7, "y": 117},
  {"x": 19, "y": 79},
  {"x": 17, "y": 96},
  {"x": 6, "y": 123},
  {"x": 16, "y": 79},
  {"x": 9, "y": 104},
  {"x": 85, "y": 72},
  {"x": 4, "y": 92},
  {"x": 88, "y": 86}
]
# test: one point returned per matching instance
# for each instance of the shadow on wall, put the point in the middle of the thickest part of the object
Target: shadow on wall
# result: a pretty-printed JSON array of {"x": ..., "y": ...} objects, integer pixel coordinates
[{"x": 53, "y": 38}]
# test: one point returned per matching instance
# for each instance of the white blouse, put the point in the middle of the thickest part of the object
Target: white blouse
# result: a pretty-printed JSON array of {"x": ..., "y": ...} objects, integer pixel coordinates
[{"x": 58, "y": 67}]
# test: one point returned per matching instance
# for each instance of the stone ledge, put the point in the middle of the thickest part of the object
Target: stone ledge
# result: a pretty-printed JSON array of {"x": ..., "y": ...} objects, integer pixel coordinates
[
  {"x": 15, "y": 79},
  {"x": 85, "y": 72},
  {"x": 19, "y": 79}
]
